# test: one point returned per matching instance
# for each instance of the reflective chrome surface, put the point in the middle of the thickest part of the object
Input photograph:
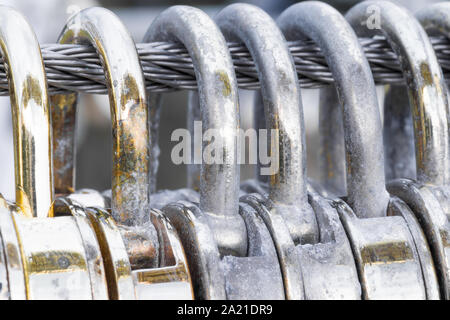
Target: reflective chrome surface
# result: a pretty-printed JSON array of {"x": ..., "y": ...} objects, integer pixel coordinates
[{"x": 30, "y": 110}]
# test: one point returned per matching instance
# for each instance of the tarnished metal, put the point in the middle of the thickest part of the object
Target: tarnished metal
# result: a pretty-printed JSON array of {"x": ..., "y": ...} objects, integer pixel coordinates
[
  {"x": 409, "y": 41},
  {"x": 285, "y": 209},
  {"x": 289, "y": 210},
  {"x": 282, "y": 103},
  {"x": 215, "y": 74},
  {"x": 30, "y": 111},
  {"x": 365, "y": 177},
  {"x": 46, "y": 257},
  {"x": 425, "y": 84},
  {"x": 337, "y": 263},
  {"x": 366, "y": 191},
  {"x": 429, "y": 195},
  {"x": 349, "y": 235},
  {"x": 130, "y": 185},
  {"x": 133, "y": 242},
  {"x": 230, "y": 251},
  {"x": 252, "y": 26}
]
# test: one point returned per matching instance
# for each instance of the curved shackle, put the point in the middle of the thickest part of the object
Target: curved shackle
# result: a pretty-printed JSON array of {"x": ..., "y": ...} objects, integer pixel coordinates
[
  {"x": 219, "y": 182},
  {"x": 356, "y": 91},
  {"x": 30, "y": 114},
  {"x": 425, "y": 81},
  {"x": 281, "y": 97},
  {"x": 437, "y": 18},
  {"x": 129, "y": 116}
]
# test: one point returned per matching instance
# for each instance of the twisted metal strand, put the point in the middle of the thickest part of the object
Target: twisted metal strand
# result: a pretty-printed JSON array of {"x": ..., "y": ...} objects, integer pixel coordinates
[{"x": 168, "y": 67}]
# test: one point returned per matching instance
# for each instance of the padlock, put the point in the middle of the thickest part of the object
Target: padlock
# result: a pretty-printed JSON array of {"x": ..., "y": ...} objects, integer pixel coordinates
[
  {"x": 230, "y": 251},
  {"x": 390, "y": 249},
  {"x": 429, "y": 194},
  {"x": 46, "y": 257},
  {"x": 143, "y": 256}
]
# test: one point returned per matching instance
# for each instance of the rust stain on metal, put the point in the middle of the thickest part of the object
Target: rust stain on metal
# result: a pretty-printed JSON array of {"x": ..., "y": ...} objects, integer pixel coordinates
[
  {"x": 141, "y": 252},
  {"x": 31, "y": 91},
  {"x": 131, "y": 148},
  {"x": 386, "y": 253},
  {"x": 63, "y": 108},
  {"x": 55, "y": 262},
  {"x": 163, "y": 275},
  {"x": 426, "y": 74},
  {"x": 226, "y": 88}
]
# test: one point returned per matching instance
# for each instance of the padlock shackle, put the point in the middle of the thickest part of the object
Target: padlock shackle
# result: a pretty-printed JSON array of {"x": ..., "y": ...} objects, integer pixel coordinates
[
  {"x": 282, "y": 102},
  {"x": 425, "y": 81},
  {"x": 30, "y": 114},
  {"x": 356, "y": 91},
  {"x": 437, "y": 18},
  {"x": 219, "y": 183},
  {"x": 129, "y": 115}
]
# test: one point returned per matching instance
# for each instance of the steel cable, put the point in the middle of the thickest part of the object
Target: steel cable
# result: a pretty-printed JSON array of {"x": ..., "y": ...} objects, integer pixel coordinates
[{"x": 168, "y": 67}]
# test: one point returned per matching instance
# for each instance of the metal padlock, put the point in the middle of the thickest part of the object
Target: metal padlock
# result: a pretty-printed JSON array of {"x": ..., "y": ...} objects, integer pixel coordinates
[
  {"x": 143, "y": 256},
  {"x": 45, "y": 257},
  {"x": 410, "y": 42},
  {"x": 229, "y": 249},
  {"x": 390, "y": 249},
  {"x": 429, "y": 194},
  {"x": 313, "y": 267}
]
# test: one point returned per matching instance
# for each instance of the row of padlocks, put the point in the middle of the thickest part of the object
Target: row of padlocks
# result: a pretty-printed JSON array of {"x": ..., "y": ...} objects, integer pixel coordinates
[{"x": 353, "y": 235}]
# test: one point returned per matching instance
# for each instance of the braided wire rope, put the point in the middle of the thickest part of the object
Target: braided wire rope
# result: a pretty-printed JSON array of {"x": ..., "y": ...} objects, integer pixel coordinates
[{"x": 168, "y": 66}]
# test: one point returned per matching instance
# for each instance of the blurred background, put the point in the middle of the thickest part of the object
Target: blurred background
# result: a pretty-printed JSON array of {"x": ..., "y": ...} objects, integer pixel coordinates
[{"x": 47, "y": 17}]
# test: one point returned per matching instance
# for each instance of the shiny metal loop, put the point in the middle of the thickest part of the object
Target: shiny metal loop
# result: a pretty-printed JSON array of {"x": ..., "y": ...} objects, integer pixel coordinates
[
  {"x": 437, "y": 18},
  {"x": 129, "y": 115},
  {"x": 410, "y": 42},
  {"x": 219, "y": 183},
  {"x": 287, "y": 189},
  {"x": 283, "y": 110},
  {"x": 431, "y": 203},
  {"x": 43, "y": 256},
  {"x": 31, "y": 117},
  {"x": 362, "y": 126},
  {"x": 425, "y": 84}
]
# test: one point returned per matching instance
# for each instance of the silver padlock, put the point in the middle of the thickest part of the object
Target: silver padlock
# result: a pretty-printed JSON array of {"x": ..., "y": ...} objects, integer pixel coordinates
[
  {"x": 429, "y": 194},
  {"x": 143, "y": 256},
  {"x": 408, "y": 39}
]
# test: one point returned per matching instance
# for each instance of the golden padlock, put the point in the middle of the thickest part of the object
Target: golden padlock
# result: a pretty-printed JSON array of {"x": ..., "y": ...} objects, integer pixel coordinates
[
  {"x": 45, "y": 257},
  {"x": 143, "y": 256}
]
